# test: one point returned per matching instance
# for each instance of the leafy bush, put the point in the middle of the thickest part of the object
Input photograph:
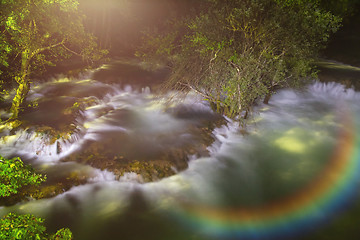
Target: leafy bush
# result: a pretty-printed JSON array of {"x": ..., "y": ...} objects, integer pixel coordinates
[
  {"x": 29, "y": 227},
  {"x": 14, "y": 174},
  {"x": 62, "y": 234}
]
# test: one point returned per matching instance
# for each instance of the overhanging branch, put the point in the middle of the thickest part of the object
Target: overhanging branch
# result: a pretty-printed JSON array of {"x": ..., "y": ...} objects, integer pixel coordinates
[
  {"x": 46, "y": 48},
  {"x": 197, "y": 91},
  {"x": 73, "y": 52}
]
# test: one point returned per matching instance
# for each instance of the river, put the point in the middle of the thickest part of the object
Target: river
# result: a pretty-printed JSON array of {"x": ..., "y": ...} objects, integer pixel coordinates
[{"x": 292, "y": 173}]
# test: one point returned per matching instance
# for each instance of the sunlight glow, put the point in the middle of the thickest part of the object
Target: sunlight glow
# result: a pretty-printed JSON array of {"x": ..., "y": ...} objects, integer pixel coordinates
[{"x": 290, "y": 144}]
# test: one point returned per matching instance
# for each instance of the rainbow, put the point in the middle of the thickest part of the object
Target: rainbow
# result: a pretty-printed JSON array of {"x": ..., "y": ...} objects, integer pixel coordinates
[{"x": 315, "y": 204}]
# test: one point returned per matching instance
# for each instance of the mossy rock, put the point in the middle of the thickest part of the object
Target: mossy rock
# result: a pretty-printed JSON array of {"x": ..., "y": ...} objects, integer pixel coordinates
[
  {"x": 11, "y": 126},
  {"x": 148, "y": 171},
  {"x": 151, "y": 170},
  {"x": 161, "y": 163},
  {"x": 54, "y": 134},
  {"x": 80, "y": 105}
]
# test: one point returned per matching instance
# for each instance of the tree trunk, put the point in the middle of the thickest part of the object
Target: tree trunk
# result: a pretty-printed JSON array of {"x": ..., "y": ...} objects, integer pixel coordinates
[
  {"x": 267, "y": 98},
  {"x": 23, "y": 88},
  {"x": 21, "y": 93}
]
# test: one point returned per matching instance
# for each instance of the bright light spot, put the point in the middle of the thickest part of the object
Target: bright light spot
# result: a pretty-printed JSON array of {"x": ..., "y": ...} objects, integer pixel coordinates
[
  {"x": 62, "y": 80},
  {"x": 11, "y": 138},
  {"x": 290, "y": 144},
  {"x": 110, "y": 209},
  {"x": 290, "y": 141},
  {"x": 84, "y": 81},
  {"x": 337, "y": 65}
]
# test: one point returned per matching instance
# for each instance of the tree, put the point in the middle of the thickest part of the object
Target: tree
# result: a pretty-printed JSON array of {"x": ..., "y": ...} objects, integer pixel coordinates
[
  {"x": 36, "y": 33},
  {"x": 235, "y": 52}
]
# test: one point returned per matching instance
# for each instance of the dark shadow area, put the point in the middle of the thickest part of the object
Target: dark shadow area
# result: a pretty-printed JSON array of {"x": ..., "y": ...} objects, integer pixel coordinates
[
  {"x": 344, "y": 45},
  {"x": 124, "y": 73}
]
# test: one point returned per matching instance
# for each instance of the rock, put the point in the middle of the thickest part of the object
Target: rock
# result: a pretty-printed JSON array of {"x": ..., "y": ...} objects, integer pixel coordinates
[
  {"x": 157, "y": 164},
  {"x": 80, "y": 105}
]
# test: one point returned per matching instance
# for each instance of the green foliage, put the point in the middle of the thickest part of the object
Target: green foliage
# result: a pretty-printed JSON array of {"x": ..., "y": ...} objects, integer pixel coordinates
[
  {"x": 238, "y": 51},
  {"x": 62, "y": 234},
  {"x": 13, "y": 226},
  {"x": 342, "y": 8},
  {"x": 14, "y": 174},
  {"x": 38, "y": 33}
]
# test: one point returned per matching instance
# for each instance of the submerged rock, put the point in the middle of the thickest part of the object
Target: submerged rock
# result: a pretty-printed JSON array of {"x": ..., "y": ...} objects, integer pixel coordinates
[
  {"x": 148, "y": 169},
  {"x": 80, "y": 105},
  {"x": 149, "y": 161}
]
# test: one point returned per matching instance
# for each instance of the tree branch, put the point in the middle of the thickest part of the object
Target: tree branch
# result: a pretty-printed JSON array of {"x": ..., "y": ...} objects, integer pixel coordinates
[
  {"x": 197, "y": 91},
  {"x": 46, "y": 48},
  {"x": 73, "y": 52}
]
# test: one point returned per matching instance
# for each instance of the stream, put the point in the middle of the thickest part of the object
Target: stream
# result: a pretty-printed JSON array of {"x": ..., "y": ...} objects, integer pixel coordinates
[{"x": 292, "y": 173}]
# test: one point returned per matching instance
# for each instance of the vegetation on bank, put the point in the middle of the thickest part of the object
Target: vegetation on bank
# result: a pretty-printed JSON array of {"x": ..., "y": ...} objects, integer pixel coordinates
[
  {"x": 27, "y": 226},
  {"x": 14, "y": 175},
  {"x": 39, "y": 33},
  {"x": 235, "y": 52}
]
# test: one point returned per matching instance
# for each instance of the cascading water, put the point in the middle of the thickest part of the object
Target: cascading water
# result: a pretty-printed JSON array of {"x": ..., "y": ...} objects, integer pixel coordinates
[{"x": 294, "y": 174}]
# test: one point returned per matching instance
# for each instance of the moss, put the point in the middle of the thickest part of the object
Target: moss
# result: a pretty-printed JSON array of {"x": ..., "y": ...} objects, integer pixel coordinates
[
  {"x": 80, "y": 105},
  {"x": 152, "y": 167},
  {"x": 149, "y": 171},
  {"x": 10, "y": 125}
]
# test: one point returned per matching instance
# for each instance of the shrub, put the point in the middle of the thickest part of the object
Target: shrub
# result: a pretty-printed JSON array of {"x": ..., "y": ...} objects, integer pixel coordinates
[{"x": 14, "y": 174}]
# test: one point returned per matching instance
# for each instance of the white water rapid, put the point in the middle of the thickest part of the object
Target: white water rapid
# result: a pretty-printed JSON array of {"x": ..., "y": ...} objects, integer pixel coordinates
[{"x": 286, "y": 147}]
